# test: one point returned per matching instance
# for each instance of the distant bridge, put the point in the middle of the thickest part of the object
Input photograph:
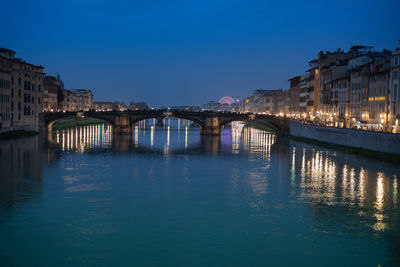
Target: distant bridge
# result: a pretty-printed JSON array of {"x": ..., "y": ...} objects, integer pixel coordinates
[{"x": 210, "y": 122}]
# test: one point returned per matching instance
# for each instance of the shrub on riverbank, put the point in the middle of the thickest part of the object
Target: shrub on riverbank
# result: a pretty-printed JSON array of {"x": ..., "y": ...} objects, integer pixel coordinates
[{"x": 75, "y": 123}]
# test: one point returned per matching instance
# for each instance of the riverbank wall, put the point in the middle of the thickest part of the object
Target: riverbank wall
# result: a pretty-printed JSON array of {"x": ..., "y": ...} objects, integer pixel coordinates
[{"x": 375, "y": 141}]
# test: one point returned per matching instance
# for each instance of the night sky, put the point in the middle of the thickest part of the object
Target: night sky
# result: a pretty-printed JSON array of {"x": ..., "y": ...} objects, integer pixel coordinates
[{"x": 188, "y": 52}]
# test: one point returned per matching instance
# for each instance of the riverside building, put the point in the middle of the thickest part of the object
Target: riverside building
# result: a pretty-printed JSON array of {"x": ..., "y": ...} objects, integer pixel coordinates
[
  {"x": 5, "y": 88},
  {"x": 84, "y": 99},
  {"x": 394, "y": 83},
  {"x": 22, "y": 92},
  {"x": 53, "y": 88},
  {"x": 70, "y": 101}
]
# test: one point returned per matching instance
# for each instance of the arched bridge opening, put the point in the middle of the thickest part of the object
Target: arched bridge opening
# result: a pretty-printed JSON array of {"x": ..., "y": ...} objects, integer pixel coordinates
[
  {"x": 159, "y": 119},
  {"x": 276, "y": 128},
  {"x": 50, "y": 119}
]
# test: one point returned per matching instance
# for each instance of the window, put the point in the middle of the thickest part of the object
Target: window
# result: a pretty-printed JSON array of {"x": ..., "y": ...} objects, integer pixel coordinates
[
  {"x": 33, "y": 100},
  {"x": 38, "y": 100},
  {"x": 19, "y": 80},
  {"x": 395, "y": 74},
  {"x": 395, "y": 92}
]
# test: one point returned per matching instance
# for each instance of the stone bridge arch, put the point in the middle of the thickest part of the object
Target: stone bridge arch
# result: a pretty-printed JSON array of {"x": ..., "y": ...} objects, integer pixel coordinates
[
  {"x": 279, "y": 125},
  {"x": 47, "y": 120}
]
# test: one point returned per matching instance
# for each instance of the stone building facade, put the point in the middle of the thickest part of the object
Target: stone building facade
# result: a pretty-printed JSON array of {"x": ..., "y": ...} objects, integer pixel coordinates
[
  {"x": 21, "y": 92},
  {"x": 394, "y": 99},
  {"x": 53, "y": 88},
  {"x": 70, "y": 101},
  {"x": 5, "y": 88},
  {"x": 84, "y": 99}
]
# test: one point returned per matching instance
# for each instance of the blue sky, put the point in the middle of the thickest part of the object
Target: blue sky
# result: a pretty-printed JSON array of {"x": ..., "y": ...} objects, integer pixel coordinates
[{"x": 188, "y": 52}]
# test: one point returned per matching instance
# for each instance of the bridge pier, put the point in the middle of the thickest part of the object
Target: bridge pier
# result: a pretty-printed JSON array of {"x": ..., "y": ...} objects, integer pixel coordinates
[
  {"x": 42, "y": 123},
  {"x": 211, "y": 126},
  {"x": 122, "y": 125},
  {"x": 160, "y": 122}
]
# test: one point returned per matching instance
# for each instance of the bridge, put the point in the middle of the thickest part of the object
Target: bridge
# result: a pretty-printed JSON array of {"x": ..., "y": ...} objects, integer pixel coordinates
[{"x": 123, "y": 121}]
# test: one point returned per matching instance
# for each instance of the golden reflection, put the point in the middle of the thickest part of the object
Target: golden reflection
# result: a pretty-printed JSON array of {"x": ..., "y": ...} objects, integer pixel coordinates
[
  {"x": 318, "y": 175},
  {"x": 293, "y": 171},
  {"x": 152, "y": 135},
  {"x": 168, "y": 134},
  {"x": 236, "y": 131},
  {"x": 253, "y": 140},
  {"x": 303, "y": 168},
  {"x": 361, "y": 188},
  {"x": 344, "y": 182},
  {"x": 379, "y": 202},
  {"x": 136, "y": 135},
  {"x": 85, "y": 137},
  {"x": 395, "y": 190},
  {"x": 166, "y": 147},
  {"x": 186, "y": 136},
  {"x": 352, "y": 185},
  {"x": 324, "y": 179}
]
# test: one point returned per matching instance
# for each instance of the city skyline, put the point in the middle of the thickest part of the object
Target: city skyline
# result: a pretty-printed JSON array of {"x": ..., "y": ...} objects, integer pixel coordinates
[{"x": 188, "y": 53}]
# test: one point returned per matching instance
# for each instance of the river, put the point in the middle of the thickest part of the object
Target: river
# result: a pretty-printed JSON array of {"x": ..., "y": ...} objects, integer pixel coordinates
[{"x": 165, "y": 196}]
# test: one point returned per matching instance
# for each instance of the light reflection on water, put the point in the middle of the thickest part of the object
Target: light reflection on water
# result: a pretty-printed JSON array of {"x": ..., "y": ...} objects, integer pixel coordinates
[{"x": 246, "y": 192}]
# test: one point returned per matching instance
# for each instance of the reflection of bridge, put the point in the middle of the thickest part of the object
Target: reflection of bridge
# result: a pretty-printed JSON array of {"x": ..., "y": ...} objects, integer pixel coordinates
[{"x": 210, "y": 122}]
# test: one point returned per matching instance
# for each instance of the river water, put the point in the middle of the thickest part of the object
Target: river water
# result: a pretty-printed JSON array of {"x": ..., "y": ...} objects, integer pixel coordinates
[{"x": 165, "y": 196}]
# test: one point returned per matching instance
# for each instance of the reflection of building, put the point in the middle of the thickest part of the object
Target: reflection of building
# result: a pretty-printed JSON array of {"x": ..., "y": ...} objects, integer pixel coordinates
[
  {"x": 343, "y": 188},
  {"x": 21, "y": 161},
  {"x": 84, "y": 99},
  {"x": 25, "y": 95}
]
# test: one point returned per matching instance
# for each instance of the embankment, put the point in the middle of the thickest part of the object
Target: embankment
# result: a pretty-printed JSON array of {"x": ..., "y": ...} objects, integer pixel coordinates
[{"x": 377, "y": 144}]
